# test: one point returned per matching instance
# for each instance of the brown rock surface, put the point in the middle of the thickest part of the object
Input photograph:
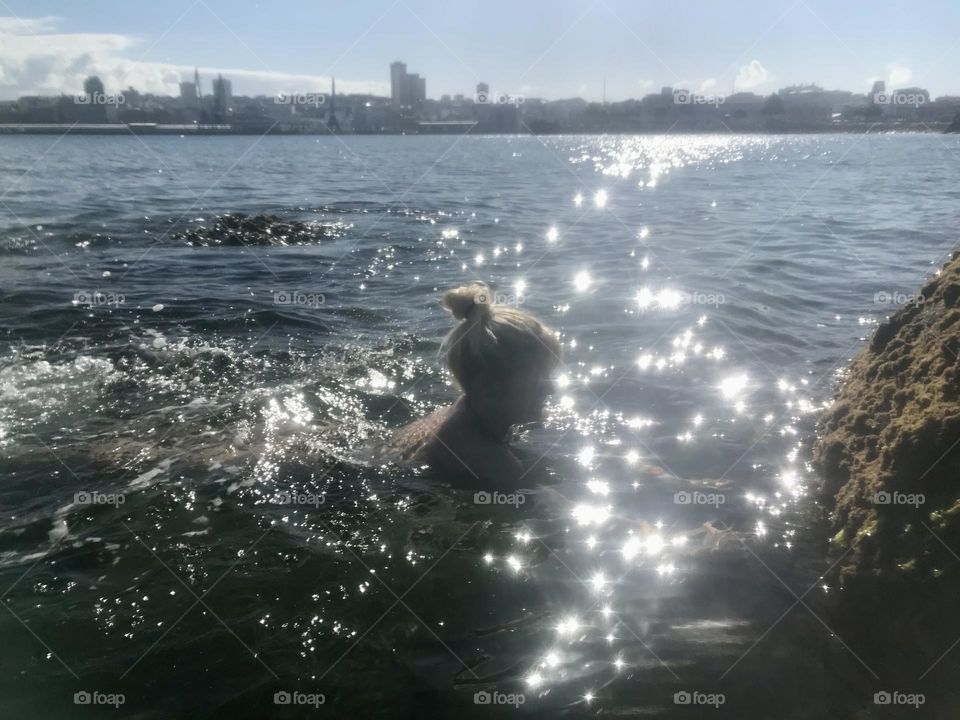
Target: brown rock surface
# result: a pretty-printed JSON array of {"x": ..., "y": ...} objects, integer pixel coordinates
[{"x": 889, "y": 446}]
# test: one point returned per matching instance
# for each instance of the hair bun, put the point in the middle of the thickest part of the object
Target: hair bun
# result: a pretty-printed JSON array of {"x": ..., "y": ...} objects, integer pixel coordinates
[{"x": 461, "y": 301}]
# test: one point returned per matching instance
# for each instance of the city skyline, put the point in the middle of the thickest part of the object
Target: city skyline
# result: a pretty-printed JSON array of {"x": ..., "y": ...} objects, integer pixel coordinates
[
  {"x": 407, "y": 91},
  {"x": 582, "y": 49},
  {"x": 797, "y": 108}
]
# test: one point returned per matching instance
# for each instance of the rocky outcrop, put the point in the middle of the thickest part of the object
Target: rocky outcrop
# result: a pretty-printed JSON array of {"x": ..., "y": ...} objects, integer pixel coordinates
[
  {"x": 889, "y": 446},
  {"x": 240, "y": 229}
]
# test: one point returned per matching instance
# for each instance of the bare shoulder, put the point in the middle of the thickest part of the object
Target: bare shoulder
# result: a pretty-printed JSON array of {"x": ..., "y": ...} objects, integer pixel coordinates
[
  {"x": 450, "y": 445},
  {"x": 471, "y": 459},
  {"x": 411, "y": 442}
]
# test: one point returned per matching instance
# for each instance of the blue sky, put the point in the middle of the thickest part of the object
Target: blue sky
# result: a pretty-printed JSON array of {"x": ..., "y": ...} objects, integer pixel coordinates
[{"x": 536, "y": 48}]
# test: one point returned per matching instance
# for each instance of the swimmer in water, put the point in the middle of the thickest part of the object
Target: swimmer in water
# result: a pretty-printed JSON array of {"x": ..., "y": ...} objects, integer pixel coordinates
[{"x": 502, "y": 359}]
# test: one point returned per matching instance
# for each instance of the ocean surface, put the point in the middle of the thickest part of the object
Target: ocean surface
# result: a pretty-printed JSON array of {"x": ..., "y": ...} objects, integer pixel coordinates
[{"x": 188, "y": 526}]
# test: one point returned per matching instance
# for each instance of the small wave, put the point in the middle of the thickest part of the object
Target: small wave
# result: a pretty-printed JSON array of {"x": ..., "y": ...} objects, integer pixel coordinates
[{"x": 240, "y": 229}]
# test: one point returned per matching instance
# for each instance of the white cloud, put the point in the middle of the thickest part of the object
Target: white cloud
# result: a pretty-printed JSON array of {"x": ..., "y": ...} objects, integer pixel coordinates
[
  {"x": 751, "y": 76},
  {"x": 898, "y": 75},
  {"x": 16, "y": 25},
  {"x": 35, "y": 60},
  {"x": 707, "y": 85}
]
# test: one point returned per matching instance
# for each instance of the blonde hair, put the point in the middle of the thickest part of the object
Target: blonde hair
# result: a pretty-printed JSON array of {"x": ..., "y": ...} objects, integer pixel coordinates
[{"x": 493, "y": 340}]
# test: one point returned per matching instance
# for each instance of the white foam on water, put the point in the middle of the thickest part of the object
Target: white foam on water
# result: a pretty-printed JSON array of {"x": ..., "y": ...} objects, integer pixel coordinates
[
  {"x": 148, "y": 478},
  {"x": 44, "y": 383},
  {"x": 58, "y": 531}
]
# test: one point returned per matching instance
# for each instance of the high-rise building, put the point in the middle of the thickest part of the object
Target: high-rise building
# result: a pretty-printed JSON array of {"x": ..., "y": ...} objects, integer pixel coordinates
[
  {"x": 416, "y": 91},
  {"x": 398, "y": 74},
  {"x": 408, "y": 91},
  {"x": 222, "y": 99},
  {"x": 333, "y": 124},
  {"x": 189, "y": 96},
  {"x": 196, "y": 81}
]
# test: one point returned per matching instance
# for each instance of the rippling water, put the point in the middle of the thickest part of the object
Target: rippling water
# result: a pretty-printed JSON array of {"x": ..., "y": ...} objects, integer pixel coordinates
[{"x": 187, "y": 519}]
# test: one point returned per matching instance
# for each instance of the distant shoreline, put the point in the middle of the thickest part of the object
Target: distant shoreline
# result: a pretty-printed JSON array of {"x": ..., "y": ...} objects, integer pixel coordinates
[{"x": 120, "y": 129}]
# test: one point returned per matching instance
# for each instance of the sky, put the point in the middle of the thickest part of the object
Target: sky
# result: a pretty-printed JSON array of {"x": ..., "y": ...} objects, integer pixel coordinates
[{"x": 532, "y": 48}]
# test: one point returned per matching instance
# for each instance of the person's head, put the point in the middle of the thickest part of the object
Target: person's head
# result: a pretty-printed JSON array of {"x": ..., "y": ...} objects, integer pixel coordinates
[{"x": 501, "y": 357}]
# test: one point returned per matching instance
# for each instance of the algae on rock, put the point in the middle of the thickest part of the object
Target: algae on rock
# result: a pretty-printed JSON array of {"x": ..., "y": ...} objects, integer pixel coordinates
[{"x": 889, "y": 446}]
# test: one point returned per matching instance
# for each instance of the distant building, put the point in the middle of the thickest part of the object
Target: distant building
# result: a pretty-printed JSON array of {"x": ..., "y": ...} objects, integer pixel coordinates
[
  {"x": 398, "y": 71},
  {"x": 944, "y": 109},
  {"x": 905, "y": 103},
  {"x": 222, "y": 99},
  {"x": 417, "y": 89},
  {"x": 800, "y": 90},
  {"x": 812, "y": 105},
  {"x": 196, "y": 81},
  {"x": 189, "y": 95},
  {"x": 408, "y": 91},
  {"x": 913, "y": 96},
  {"x": 492, "y": 113},
  {"x": 332, "y": 122}
]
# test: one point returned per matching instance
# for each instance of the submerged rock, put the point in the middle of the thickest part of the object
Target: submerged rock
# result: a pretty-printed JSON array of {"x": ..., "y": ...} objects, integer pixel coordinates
[
  {"x": 889, "y": 446},
  {"x": 239, "y": 229}
]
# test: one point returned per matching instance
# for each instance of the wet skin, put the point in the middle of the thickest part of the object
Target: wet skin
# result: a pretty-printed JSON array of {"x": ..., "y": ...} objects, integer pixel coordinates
[{"x": 467, "y": 441}]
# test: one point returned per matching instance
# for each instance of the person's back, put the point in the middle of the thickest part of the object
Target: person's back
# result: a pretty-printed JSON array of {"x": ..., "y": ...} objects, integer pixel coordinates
[{"x": 502, "y": 359}]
